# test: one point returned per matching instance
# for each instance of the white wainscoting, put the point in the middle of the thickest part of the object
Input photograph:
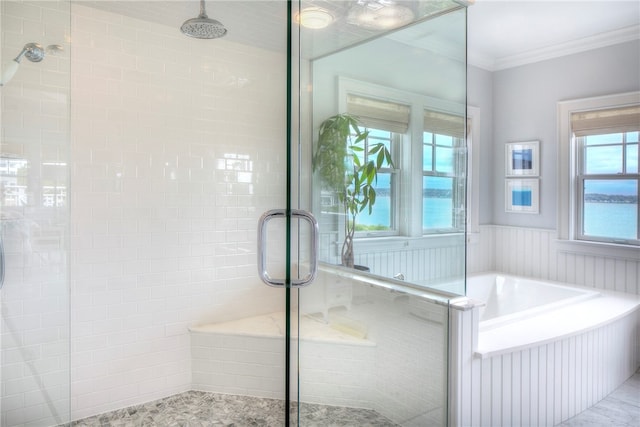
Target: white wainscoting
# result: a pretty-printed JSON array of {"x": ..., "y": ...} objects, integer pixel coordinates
[
  {"x": 542, "y": 385},
  {"x": 424, "y": 260},
  {"x": 420, "y": 265},
  {"x": 537, "y": 253},
  {"x": 528, "y": 252}
]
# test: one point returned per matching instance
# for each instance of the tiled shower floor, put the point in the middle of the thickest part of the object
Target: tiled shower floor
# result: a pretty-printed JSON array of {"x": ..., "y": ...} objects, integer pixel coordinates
[{"x": 202, "y": 409}]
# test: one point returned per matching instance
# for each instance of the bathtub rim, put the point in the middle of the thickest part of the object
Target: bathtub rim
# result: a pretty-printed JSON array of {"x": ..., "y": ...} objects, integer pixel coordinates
[
  {"x": 584, "y": 293},
  {"x": 492, "y": 342}
]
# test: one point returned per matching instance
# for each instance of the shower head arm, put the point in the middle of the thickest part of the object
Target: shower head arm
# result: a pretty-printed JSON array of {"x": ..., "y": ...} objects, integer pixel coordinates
[
  {"x": 20, "y": 55},
  {"x": 203, "y": 12}
]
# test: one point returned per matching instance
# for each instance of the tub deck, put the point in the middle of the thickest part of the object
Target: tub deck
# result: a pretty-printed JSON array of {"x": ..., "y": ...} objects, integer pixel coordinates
[{"x": 556, "y": 324}]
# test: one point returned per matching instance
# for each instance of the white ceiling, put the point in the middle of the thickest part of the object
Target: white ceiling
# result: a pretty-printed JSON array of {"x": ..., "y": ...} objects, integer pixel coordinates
[
  {"x": 501, "y": 34},
  {"x": 504, "y": 34}
]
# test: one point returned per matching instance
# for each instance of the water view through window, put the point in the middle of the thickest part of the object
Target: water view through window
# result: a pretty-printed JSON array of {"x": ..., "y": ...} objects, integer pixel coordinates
[
  {"x": 610, "y": 185},
  {"x": 436, "y": 213},
  {"x": 437, "y": 209},
  {"x": 438, "y": 187},
  {"x": 611, "y": 208}
]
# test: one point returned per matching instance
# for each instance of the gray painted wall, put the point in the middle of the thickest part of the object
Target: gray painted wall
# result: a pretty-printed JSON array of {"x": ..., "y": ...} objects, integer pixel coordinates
[
  {"x": 516, "y": 104},
  {"x": 480, "y": 94},
  {"x": 524, "y": 108}
]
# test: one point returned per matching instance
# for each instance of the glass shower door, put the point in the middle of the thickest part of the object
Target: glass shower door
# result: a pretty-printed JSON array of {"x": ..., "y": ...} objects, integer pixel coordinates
[
  {"x": 34, "y": 213},
  {"x": 382, "y": 163}
]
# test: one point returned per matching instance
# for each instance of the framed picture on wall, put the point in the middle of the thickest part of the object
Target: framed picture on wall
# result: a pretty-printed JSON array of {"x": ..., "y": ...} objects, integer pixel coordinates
[
  {"x": 522, "y": 195},
  {"x": 522, "y": 158}
]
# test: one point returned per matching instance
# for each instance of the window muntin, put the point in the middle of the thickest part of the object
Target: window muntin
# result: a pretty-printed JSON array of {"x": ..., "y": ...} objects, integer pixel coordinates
[{"x": 607, "y": 183}]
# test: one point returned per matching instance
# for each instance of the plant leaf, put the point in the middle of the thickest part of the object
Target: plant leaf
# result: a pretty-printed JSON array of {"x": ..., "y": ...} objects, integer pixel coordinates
[
  {"x": 387, "y": 156},
  {"x": 380, "y": 159},
  {"x": 356, "y": 160}
]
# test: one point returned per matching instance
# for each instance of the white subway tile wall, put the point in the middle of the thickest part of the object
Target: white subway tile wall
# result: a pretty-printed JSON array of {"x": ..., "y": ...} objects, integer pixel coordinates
[
  {"x": 332, "y": 373},
  {"x": 178, "y": 147},
  {"x": 381, "y": 353}
]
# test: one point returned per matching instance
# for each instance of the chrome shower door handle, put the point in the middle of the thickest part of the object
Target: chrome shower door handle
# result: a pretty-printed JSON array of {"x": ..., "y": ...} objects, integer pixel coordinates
[
  {"x": 262, "y": 254},
  {"x": 313, "y": 253}
]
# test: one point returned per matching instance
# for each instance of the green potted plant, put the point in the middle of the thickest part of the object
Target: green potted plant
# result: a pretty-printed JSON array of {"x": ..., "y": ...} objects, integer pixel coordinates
[{"x": 338, "y": 160}]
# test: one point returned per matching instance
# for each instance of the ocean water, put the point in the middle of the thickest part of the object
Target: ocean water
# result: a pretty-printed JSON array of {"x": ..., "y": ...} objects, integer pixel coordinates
[
  {"x": 437, "y": 213},
  {"x": 616, "y": 220}
]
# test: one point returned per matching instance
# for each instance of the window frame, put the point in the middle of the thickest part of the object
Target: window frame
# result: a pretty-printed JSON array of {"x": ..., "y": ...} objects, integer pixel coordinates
[
  {"x": 582, "y": 176},
  {"x": 569, "y": 180},
  {"x": 457, "y": 144},
  {"x": 396, "y": 141},
  {"x": 409, "y": 160}
]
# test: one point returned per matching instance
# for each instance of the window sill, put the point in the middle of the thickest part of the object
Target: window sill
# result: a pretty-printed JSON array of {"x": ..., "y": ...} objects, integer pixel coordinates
[{"x": 599, "y": 249}]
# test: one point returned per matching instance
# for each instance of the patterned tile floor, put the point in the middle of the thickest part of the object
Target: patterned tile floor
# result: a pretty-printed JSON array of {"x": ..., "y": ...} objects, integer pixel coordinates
[{"x": 201, "y": 409}]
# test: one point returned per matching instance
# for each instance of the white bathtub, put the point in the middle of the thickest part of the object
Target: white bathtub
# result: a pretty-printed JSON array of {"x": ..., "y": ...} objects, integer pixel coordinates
[
  {"x": 539, "y": 352},
  {"x": 517, "y": 313},
  {"x": 510, "y": 299}
]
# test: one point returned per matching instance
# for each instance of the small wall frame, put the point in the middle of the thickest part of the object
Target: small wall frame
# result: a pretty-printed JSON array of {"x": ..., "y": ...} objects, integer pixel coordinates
[
  {"x": 522, "y": 158},
  {"x": 522, "y": 195}
]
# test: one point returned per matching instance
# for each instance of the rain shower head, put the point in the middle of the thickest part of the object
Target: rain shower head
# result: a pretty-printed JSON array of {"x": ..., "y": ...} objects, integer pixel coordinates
[{"x": 203, "y": 27}]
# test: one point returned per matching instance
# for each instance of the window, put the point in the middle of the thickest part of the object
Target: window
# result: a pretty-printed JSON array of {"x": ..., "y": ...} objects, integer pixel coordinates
[
  {"x": 386, "y": 122},
  {"x": 383, "y": 218},
  {"x": 443, "y": 170},
  {"x": 424, "y": 194},
  {"x": 607, "y": 178},
  {"x": 13, "y": 181},
  {"x": 599, "y": 182}
]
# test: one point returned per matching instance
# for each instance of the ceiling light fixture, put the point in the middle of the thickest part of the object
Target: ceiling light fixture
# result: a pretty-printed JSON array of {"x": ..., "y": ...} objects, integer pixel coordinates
[
  {"x": 379, "y": 15},
  {"x": 314, "y": 18}
]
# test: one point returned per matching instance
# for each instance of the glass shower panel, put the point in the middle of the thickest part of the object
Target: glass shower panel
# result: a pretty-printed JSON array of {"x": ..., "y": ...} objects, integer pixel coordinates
[
  {"x": 34, "y": 213},
  {"x": 410, "y": 85},
  {"x": 373, "y": 328},
  {"x": 372, "y": 352}
]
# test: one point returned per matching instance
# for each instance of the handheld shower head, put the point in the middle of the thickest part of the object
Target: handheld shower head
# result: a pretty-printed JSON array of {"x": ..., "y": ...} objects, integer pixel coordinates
[
  {"x": 203, "y": 27},
  {"x": 33, "y": 52},
  {"x": 10, "y": 70}
]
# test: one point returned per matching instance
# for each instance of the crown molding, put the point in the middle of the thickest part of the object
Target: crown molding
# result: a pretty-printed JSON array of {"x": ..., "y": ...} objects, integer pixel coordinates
[{"x": 575, "y": 46}]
